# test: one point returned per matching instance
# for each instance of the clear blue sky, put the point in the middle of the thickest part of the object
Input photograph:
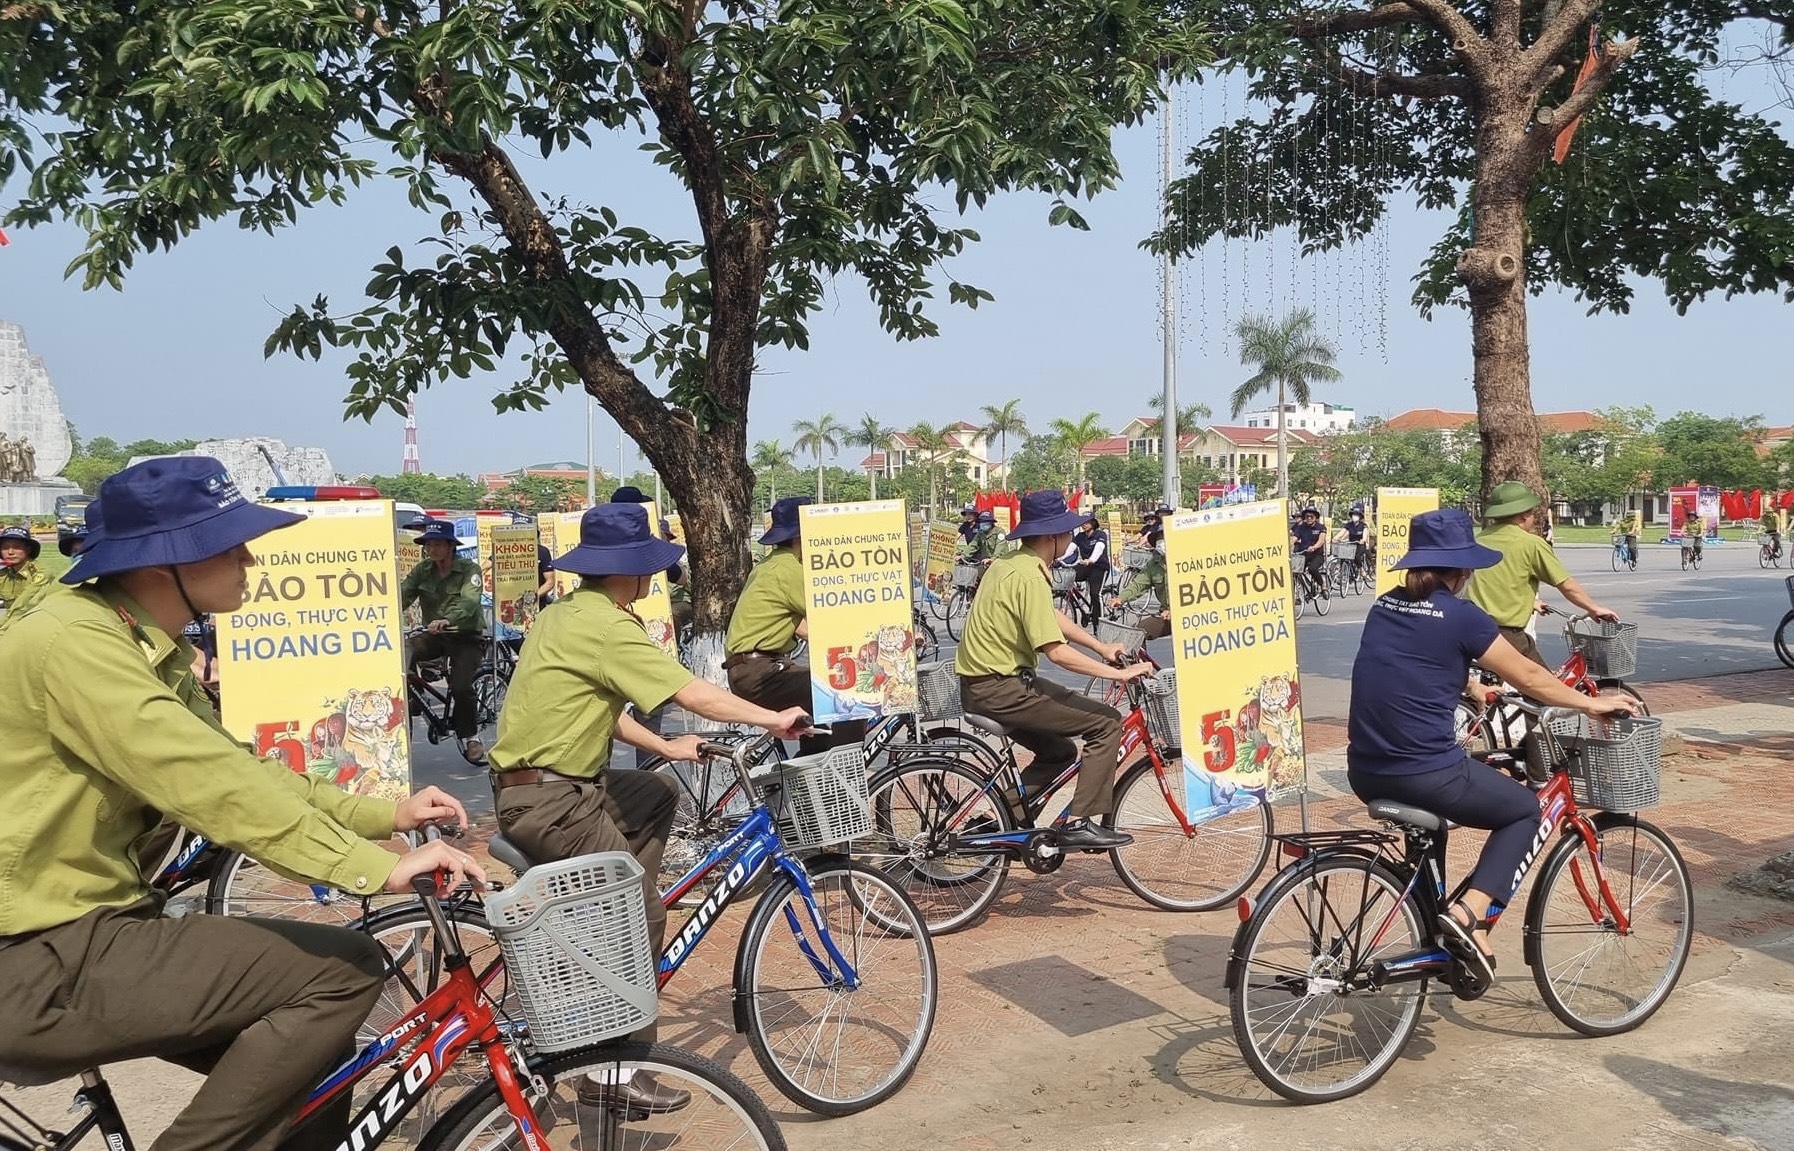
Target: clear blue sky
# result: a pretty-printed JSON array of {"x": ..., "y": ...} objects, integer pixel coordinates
[{"x": 1074, "y": 328}]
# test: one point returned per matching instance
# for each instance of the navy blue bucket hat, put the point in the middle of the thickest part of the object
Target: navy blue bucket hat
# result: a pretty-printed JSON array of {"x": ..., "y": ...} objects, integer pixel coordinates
[
  {"x": 22, "y": 534},
  {"x": 70, "y": 541},
  {"x": 1045, "y": 514},
  {"x": 439, "y": 530},
  {"x": 614, "y": 540},
  {"x": 785, "y": 520},
  {"x": 1445, "y": 539},
  {"x": 168, "y": 511},
  {"x": 628, "y": 494}
]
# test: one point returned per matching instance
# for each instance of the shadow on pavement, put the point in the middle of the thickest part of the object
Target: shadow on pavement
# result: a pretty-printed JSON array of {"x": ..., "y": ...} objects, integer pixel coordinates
[
  {"x": 1072, "y": 1000},
  {"x": 1762, "y": 1113}
]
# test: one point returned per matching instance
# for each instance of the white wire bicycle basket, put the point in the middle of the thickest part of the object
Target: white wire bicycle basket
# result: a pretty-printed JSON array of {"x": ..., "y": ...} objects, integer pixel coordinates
[
  {"x": 1161, "y": 708},
  {"x": 821, "y": 800},
  {"x": 1614, "y": 763},
  {"x": 966, "y": 575},
  {"x": 1345, "y": 550},
  {"x": 1609, "y": 648},
  {"x": 1135, "y": 558},
  {"x": 1114, "y": 631},
  {"x": 575, "y": 940},
  {"x": 937, "y": 690},
  {"x": 1063, "y": 578}
]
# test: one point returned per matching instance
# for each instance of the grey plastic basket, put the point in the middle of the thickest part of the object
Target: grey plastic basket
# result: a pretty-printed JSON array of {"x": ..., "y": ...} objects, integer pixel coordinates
[
  {"x": 822, "y": 798},
  {"x": 1161, "y": 708},
  {"x": 575, "y": 941},
  {"x": 1345, "y": 550},
  {"x": 1611, "y": 649},
  {"x": 1114, "y": 631},
  {"x": 1613, "y": 763},
  {"x": 966, "y": 575},
  {"x": 1063, "y": 578},
  {"x": 1135, "y": 558},
  {"x": 937, "y": 690}
]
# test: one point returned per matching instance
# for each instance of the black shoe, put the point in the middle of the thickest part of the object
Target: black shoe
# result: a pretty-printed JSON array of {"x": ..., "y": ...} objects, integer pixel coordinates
[
  {"x": 638, "y": 1098},
  {"x": 1082, "y": 835}
]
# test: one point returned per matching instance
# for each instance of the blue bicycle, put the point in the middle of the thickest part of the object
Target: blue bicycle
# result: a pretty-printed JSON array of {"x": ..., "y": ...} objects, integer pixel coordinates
[
  {"x": 838, "y": 1005},
  {"x": 1625, "y": 552},
  {"x": 237, "y": 885}
]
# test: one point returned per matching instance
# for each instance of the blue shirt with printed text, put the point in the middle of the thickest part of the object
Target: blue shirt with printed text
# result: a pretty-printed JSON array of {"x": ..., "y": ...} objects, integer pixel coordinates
[{"x": 1413, "y": 661}]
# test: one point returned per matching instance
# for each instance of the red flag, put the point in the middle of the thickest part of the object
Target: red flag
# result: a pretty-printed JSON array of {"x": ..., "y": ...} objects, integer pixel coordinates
[{"x": 3, "y": 240}]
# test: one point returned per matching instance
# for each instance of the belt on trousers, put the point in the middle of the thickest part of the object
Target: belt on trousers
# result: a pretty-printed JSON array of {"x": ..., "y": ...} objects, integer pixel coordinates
[
  {"x": 740, "y": 658},
  {"x": 526, "y": 775}
]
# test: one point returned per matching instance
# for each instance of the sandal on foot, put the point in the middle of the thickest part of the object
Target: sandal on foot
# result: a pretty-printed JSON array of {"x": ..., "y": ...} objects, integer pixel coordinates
[{"x": 1460, "y": 940}]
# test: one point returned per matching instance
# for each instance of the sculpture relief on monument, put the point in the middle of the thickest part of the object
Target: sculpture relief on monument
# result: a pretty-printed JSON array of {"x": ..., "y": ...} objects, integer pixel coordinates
[{"x": 34, "y": 436}]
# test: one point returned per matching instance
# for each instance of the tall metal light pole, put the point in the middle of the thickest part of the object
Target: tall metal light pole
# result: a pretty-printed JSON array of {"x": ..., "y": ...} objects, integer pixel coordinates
[
  {"x": 1168, "y": 429},
  {"x": 591, "y": 452}
]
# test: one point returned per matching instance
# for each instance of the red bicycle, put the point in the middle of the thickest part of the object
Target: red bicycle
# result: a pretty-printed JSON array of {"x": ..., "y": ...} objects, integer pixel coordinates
[
  {"x": 526, "y": 1095},
  {"x": 1329, "y": 968}
]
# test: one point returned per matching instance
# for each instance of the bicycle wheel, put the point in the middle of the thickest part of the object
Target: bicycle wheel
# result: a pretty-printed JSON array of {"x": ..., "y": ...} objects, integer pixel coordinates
[
  {"x": 241, "y": 886},
  {"x": 826, "y": 1047},
  {"x": 957, "y": 609},
  {"x": 489, "y": 700},
  {"x": 1593, "y": 977},
  {"x": 1298, "y": 598},
  {"x": 1323, "y": 603},
  {"x": 1784, "y": 640},
  {"x": 919, "y": 807},
  {"x": 1305, "y": 1015},
  {"x": 723, "y": 1115},
  {"x": 1620, "y": 686},
  {"x": 1201, "y": 871},
  {"x": 1616, "y": 559},
  {"x": 1684, "y": 559},
  {"x": 928, "y": 644},
  {"x": 1762, "y": 557}
]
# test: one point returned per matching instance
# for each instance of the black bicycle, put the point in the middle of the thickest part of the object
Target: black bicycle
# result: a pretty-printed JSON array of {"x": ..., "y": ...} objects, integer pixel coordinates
[
  {"x": 427, "y": 684},
  {"x": 1784, "y": 631},
  {"x": 1307, "y": 591}
]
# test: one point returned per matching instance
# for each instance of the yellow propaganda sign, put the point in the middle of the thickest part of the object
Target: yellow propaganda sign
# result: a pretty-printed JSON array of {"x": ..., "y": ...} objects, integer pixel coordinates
[
  {"x": 918, "y": 544},
  {"x": 857, "y": 601},
  {"x": 1395, "y": 507},
  {"x": 512, "y": 577},
  {"x": 407, "y": 554},
  {"x": 655, "y": 609},
  {"x": 483, "y": 526},
  {"x": 1233, "y": 636},
  {"x": 312, "y": 668},
  {"x": 675, "y": 529},
  {"x": 565, "y": 526},
  {"x": 943, "y": 549}
]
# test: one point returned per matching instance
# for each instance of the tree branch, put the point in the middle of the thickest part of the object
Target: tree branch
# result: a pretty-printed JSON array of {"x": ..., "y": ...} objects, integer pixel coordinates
[
  {"x": 1504, "y": 27},
  {"x": 1367, "y": 83},
  {"x": 1353, "y": 20},
  {"x": 1551, "y": 121},
  {"x": 1557, "y": 34},
  {"x": 1465, "y": 40}
]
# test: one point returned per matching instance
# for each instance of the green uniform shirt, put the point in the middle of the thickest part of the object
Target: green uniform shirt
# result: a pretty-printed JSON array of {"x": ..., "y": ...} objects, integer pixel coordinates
[
  {"x": 982, "y": 546},
  {"x": 1149, "y": 578},
  {"x": 771, "y": 605},
  {"x": 104, "y": 732},
  {"x": 453, "y": 595},
  {"x": 586, "y": 657},
  {"x": 20, "y": 585},
  {"x": 1012, "y": 618},
  {"x": 1508, "y": 590}
]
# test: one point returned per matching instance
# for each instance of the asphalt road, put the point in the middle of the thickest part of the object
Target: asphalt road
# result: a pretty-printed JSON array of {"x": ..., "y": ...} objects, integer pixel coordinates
[{"x": 1713, "y": 621}]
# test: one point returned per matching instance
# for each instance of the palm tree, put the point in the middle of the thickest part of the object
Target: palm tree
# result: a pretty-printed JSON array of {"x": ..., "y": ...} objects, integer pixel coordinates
[
  {"x": 1291, "y": 355},
  {"x": 1079, "y": 435},
  {"x": 935, "y": 445},
  {"x": 1003, "y": 422},
  {"x": 874, "y": 437},
  {"x": 817, "y": 436},
  {"x": 1187, "y": 416},
  {"x": 772, "y": 458}
]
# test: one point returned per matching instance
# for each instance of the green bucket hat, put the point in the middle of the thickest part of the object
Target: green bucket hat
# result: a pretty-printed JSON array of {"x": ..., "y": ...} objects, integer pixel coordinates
[{"x": 1510, "y": 499}]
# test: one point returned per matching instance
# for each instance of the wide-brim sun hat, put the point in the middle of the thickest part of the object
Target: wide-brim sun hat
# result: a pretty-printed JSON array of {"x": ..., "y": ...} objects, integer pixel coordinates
[
  {"x": 614, "y": 540},
  {"x": 786, "y": 520},
  {"x": 22, "y": 534},
  {"x": 170, "y": 511},
  {"x": 1510, "y": 499},
  {"x": 1445, "y": 539},
  {"x": 438, "y": 530},
  {"x": 1045, "y": 514}
]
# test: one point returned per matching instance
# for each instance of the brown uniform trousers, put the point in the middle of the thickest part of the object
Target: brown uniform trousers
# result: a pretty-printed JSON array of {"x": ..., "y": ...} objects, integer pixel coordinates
[
  {"x": 629, "y": 811},
  {"x": 1044, "y": 718},
  {"x": 1154, "y": 627},
  {"x": 463, "y": 653},
  {"x": 1525, "y": 645},
  {"x": 263, "y": 1008},
  {"x": 776, "y": 684}
]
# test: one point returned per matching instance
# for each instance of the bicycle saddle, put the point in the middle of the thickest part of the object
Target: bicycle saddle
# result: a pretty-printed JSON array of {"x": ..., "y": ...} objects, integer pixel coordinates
[
  {"x": 1387, "y": 811},
  {"x": 986, "y": 724},
  {"x": 509, "y": 854}
]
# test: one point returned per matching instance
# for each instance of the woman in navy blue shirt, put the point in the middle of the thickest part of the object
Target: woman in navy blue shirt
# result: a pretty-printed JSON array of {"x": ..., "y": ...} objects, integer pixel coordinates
[{"x": 1412, "y": 667}]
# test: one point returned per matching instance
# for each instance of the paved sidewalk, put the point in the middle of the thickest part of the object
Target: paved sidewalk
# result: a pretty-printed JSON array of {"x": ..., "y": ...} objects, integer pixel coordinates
[{"x": 1077, "y": 1018}]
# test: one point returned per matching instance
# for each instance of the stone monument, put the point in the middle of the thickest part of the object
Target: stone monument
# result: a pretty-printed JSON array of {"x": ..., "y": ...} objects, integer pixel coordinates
[
  {"x": 34, "y": 436},
  {"x": 251, "y": 461}
]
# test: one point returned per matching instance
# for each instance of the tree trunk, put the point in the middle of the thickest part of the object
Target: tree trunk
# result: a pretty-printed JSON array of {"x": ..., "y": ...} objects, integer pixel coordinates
[
  {"x": 818, "y": 477},
  {"x": 872, "y": 478},
  {"x": 1494, "y": 273},
  {"x": 1282, "y": 447}
]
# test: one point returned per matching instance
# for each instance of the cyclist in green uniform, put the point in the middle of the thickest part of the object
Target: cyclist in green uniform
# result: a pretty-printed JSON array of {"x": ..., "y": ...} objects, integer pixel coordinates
[
  {"x": 981, "y": 548},
  {"x": 1508, "y": 591},
  {"x": 584, "y": 663},
  {"x": 448, "y": 588},
  {"x": 1012, "y": 623},
  {"x": 1151, "y": 578},
  {"x": 104, "y": 734}
]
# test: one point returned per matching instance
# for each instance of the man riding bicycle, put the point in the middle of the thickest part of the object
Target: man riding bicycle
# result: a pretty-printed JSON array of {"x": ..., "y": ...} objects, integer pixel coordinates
[
  {"x": 1357, "y": 532},
  {"x": 1011, "y": 624},
  {"x": 981, "y": 548},
  {"x": 1508, "y": 590},
  {"x": 104, "y": 734},
  {"x": 584, "y": 663},
  {"x": 1151, "y": 578},
  {"x": 1309, "y": 540},
  {"x": 968, "y": 523},
  {"x": 1092, "y": 566},
  {"x": 448, "y": 587}
]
